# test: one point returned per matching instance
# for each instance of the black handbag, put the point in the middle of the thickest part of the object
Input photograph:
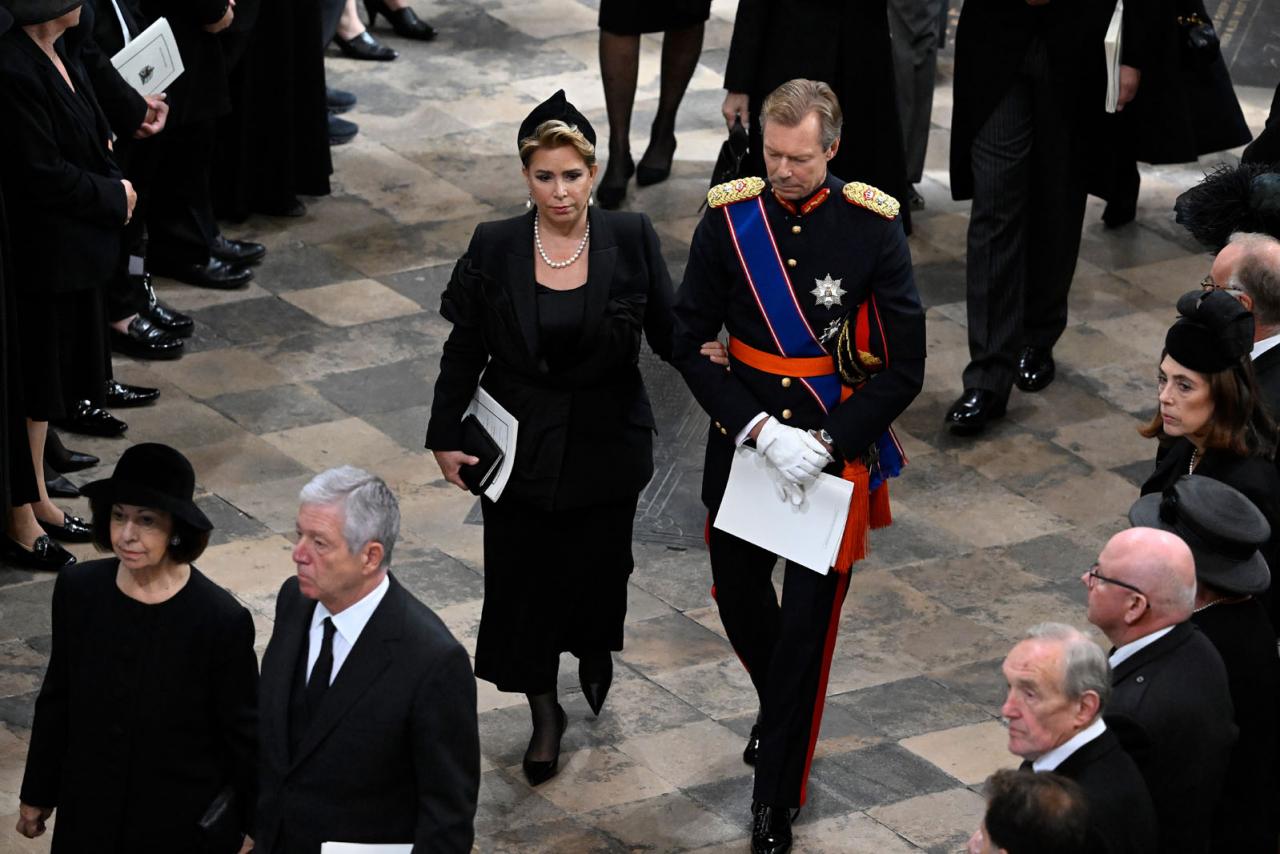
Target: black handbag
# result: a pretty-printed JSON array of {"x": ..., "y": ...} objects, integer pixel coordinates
[
  {"x": 476, "y": 441},
  {"x": 732, "y": 152},
  {"x": 1199, "y": 40},
  {"x": 220, "y": 830}
]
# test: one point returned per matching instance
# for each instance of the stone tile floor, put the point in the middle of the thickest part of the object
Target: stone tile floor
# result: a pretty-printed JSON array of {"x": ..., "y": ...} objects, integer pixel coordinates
[{"x": 329, "y": 358}]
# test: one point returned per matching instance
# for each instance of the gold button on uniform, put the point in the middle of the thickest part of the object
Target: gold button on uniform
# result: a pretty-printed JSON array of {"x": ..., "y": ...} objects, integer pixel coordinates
[
  {"x": 786, "y": 414},
  {"x": 786, "y": 382},
  {"x": 724, "y": 432},
  {"x": 791, "y": 262},
  {"x": 795, "y": 229}
]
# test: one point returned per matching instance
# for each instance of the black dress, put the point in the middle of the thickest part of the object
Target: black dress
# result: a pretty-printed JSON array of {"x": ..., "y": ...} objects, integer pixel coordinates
[
  {"x": 631, "y": 18},
  {"x": 145, "y": 714}
]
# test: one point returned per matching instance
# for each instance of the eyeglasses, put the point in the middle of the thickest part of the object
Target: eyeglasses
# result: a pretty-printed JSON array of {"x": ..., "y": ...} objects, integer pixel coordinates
[
  {"x": 1208, "y": 285},
  {"x": 1094, "y": 577}
]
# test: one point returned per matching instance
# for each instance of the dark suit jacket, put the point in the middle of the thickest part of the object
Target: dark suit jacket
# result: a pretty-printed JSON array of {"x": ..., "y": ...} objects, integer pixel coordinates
[
  {"x": 66, "y": 203},
  {"x": 124, "y": 108},
  {"x": 393, "y": 752},
  {"x": 586, "y": 431},
  {"x": 1122, "y": 819},
  {"x": 201, "y": 93},
  {"x": 1267, "y": 369},
  {"x": 1171, "y": 708}
]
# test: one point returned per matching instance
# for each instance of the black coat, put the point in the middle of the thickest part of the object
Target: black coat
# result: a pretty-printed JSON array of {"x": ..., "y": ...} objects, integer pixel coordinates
[
  {"x": 1266, "y": 148},
  {"x": 393, "y": 753},
  {"x": 145, "y": 713},
  {"x": 1122, "y": 819},
  {"x": 201, "y": 93},
  {"x": 124, "y": 108},
  {"x": 1171, "y": 707},
  {"x": 868, "y": 254},
  {"x": 844, "y": 43},
  {"x": 991, "y": 39},
  {"x": 1267, "y": 370},
  {"x": 586, "y": 432},
  {"x": 66, "y": 201},
  {"x": 1249, "y": 816}
]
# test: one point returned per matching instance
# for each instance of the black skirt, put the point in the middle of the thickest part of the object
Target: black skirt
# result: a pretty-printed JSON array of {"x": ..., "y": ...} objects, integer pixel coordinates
[
  {"x": 554, "y": 581},
  {"x": 633, "y": 17},
  {"x": 64, "y": 351}
]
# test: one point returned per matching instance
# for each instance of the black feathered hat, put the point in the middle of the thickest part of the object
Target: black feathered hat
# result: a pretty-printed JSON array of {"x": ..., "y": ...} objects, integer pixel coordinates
[
  {"x": 557, "y": 107},
  {"x": 1231, "y": 199},
  {"x": 1213, "y": 332},
  {"x": 156, "y": 476},
  {"x": 26, "y": 13}
]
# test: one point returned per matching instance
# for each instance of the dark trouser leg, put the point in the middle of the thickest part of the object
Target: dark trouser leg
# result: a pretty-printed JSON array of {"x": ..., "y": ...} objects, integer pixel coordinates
[
  {"x": 180, "y": 221},
  {"x": 744, "y": 594},
  {"x": 996, "y": 268},
  {"x": 914, "y": 25},
  {"x": 791, "y": 714},
  {"x": 330, "y": 14}
]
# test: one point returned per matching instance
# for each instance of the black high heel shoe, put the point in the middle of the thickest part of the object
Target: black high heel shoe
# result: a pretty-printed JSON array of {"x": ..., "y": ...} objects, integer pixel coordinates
[
  {"x": 611, "y": 191},
  {"x": 365, "y": 46},
  {"x": 540, "y": 771},
  {"x": 62, "y": 460},
  {"x": 595, "y": 675},
  {"x": 404, "y": 21},
  {"x": 647, "y": 174}
]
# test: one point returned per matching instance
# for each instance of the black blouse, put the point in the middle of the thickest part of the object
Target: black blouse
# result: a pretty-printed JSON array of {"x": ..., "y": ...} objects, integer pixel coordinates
[{"x": 560, "y": 316}]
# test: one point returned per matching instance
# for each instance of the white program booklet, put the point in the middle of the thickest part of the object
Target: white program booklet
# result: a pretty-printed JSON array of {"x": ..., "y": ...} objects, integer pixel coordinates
[
  {"x": 1113, "y": 46},
  {"x": 361, "y": 848},
  {"x": 502, "y": 427},
  {"x": 151, "y": 61},
  {"x": 809, "y": 534}
]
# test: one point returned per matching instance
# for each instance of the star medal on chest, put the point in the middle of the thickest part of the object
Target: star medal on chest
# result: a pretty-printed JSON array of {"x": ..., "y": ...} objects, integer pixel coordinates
[{"x": 828, "y": 291}]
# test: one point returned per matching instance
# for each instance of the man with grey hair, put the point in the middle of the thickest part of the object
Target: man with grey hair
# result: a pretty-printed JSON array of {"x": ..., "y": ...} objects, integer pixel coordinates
[
  {"x": 1249, "y": 268},
  {"x": 367, "y": 704},
  {"x": 1170, "y": 703},
  {"x": 1059, "y": 682}
]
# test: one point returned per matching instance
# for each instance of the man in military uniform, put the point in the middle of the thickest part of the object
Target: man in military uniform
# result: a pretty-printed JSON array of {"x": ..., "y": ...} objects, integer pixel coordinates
[{"x": 812, "y": 279}]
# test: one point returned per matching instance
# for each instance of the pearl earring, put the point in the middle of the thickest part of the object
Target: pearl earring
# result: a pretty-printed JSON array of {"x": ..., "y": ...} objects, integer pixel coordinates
[
  {"x": 175, "y": 541},
  {"x": 528, "y": 202}
]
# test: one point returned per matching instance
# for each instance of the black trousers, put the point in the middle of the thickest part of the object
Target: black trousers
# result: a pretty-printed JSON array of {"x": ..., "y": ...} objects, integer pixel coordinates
[
  {"x": 124, "y": 294},
  {"x": 180, "y": 222},
  {"x": 786, "y": 648},
  {"x": 1024, "y": 227}
]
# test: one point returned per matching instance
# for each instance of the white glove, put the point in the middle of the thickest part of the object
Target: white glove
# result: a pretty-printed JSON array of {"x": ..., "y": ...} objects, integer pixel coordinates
[
  {"x": 792, "y": 493},
  {"x": 799, "y": 456}
]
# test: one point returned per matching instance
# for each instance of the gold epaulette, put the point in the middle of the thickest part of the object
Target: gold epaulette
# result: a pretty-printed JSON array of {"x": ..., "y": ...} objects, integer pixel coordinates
[
  {"x": 876, "y": 201},
  {"x": 736, "y": 190}
]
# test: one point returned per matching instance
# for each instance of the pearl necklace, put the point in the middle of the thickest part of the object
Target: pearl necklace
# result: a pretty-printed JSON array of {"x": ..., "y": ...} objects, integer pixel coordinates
[
  {"x": 1191, "y": 467},
  {"x": 559, "y": 265}
]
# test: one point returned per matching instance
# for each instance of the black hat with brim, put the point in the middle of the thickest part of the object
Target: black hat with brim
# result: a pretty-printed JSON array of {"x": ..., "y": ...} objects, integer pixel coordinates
[
  {"x": 1222, "y": 527},
  {"x": 1214, "y": 331},
  {"x": 555, "y": 108},
  {"x": 27, "y": 13},
  {"x": 156, "y": 476}
]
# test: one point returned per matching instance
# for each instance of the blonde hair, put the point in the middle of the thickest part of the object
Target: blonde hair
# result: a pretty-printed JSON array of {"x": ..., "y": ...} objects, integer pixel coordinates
[
  {"x": 790, "y": 103},
  {"x": 554, "y": 134}
]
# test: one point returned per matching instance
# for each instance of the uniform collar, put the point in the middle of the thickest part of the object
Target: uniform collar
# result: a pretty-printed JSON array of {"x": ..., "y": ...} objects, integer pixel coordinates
[{"x": 808, "y": 206}]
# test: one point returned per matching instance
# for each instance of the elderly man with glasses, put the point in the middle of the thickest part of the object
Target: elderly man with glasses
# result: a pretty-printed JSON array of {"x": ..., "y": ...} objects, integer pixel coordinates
[{"x": 1170, "y": 703}]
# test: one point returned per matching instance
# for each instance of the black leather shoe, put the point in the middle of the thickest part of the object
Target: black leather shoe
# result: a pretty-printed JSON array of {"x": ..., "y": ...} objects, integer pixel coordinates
[
  {"x": 613, "y": 186},
  {"x": 341, "y": 131},
  {"x": 595, "y": 675},
  {"x": 540, "y": 771},
  {"x": 237, "y": 251},
  {"x": 652, "y": 170},
  {"x": 145, "y": 340},
  {"x": 404, "y": 21},
  {"x": 971, "y": 412},
  {"x": 339, "y": 101},
  {"x": 214, "y": 273},
  {"x": 752, "y": 750},
  {"x": 121, "y": 396},
  {"x": 1035, "y": 368},
  {"x": 59, "y": 487},
  {"x": 62, "y": 460},
  {"x": 72, "y": 530},
  {"x": 770, "y": 829},
  {"x": 90, "y": 420},
  {"x": 171, "y": 321},
  {"x": 365, "y": 46},
  {"x": 44, "y": 555}
]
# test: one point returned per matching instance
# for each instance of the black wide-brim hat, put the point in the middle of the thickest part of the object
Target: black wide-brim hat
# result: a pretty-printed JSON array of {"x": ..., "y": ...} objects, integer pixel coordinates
[
  {"x": 555, "y": 108},
  {"x": 156, "y": 476},
  {"x": 1213, "y": 332},
  {"x": 1222, "y": 527},
  {"x": 27, "y": 13}
]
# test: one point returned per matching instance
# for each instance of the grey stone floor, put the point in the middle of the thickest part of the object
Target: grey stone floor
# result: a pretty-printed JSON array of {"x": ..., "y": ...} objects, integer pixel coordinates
[{"x": 329, "y": 357}]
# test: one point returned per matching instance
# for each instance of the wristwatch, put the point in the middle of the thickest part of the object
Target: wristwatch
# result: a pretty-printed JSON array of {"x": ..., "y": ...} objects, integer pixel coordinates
[{"x": 825, "y": 437}]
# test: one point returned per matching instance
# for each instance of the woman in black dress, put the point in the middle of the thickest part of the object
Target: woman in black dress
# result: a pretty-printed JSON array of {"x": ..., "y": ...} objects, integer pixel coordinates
[
  {"x": 1211, "y": 420},
  {"x": 682, "y": 23},
  {"x": 66, "y": 204},
  {"x": 549, "y": 307},
  {"x": 148, "y": 712}
]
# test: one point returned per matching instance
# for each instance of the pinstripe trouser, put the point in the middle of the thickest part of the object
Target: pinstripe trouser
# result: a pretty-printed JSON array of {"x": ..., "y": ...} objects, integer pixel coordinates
[{"x": 1024, "y": 227}]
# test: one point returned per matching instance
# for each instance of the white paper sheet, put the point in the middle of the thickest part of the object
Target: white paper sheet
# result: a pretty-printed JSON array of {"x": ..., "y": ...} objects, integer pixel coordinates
[
  {"x": 1113, "y": 47},
  {"x": 502, "y": 427},
  {"x": 809, "y": 534},
  {"x": 151, "y": 61},
  {"x": 360, "y": 848}
]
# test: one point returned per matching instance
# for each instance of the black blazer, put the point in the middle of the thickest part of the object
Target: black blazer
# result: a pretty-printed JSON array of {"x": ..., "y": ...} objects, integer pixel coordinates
[
  {"x": 1267, "y": 369},
  {"x": 124, "y": 108},
  {"x": 393, "y": 753},
  {"x": 66, "y": 205},
  {"x": 1171, "y": 708},
  {"x": 145, "y": 713},
  {"x": 586, "y": 432},
  {"x": 1122, "y": 819}
]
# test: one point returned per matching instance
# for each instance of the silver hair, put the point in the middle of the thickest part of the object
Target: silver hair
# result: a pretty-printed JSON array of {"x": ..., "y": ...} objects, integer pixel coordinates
[
  {"x": 1256, "y": 277},
  {"x": 1085, "y": 666},
  {"x": 369, "y": 507}
]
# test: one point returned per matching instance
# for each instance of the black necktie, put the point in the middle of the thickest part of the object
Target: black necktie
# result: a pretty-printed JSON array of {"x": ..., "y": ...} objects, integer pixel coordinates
[
  {"x": 323, "y": 669},
  {"x": 1027, "y": 765}
]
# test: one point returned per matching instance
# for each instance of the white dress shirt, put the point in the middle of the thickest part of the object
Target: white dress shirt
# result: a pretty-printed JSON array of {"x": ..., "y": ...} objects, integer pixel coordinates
[
  {"x": 348, "y": 624},
  {"x": 1133, "y": 647},
  {"x": 1051, "y": 760},
  {"x": 1263, "y": 346}
]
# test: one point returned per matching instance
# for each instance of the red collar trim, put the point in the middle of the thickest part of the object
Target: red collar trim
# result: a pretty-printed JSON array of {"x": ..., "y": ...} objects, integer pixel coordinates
[{"x": 814, "y": 202}]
